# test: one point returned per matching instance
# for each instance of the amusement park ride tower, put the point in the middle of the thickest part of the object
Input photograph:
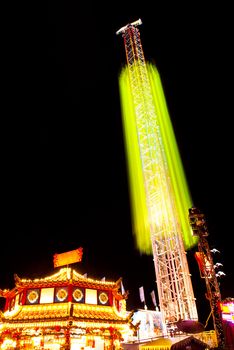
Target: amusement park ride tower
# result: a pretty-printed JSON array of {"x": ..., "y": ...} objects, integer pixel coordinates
[{"x": 158, "y": 190}]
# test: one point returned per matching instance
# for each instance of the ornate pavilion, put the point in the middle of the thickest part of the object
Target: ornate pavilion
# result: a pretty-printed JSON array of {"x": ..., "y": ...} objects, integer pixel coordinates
[{"x": 65, "y": 311}]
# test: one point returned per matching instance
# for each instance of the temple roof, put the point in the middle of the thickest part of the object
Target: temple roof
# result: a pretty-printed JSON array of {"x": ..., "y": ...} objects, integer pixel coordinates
[
  {"x": 65, "y": 276},
  {"x": 52, "y": 312},
  {"x": 65, "y": 298}
]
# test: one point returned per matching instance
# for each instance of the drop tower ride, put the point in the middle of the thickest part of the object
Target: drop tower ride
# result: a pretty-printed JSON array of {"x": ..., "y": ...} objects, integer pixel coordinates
[{"x": 159, "y": 194}]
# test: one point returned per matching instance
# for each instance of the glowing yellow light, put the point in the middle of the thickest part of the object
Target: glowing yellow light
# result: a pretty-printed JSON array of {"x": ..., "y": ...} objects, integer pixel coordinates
[
  {"x": 160, "y": 197},
  {"x": 8, "y": 344}
]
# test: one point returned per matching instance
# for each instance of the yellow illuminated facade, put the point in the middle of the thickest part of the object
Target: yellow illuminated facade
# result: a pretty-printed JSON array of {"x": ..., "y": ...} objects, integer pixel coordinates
[{"x": 64, "y": 311}]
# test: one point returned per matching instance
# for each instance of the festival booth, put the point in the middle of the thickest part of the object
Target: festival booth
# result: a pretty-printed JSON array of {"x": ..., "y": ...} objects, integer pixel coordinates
[
  {"x": 65, "y": 311},
  {"x": 158, "y": 344},
  {"x": 150, "y": 324},
  {"x": 190, "y": 343}
]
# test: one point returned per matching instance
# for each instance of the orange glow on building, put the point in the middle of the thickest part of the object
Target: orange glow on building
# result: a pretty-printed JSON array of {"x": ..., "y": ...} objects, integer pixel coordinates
[{"x": 65, "y": 310}]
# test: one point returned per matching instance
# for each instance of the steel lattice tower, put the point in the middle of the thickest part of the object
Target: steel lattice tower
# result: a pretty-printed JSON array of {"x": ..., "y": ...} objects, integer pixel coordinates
[
  {"x": 175, "y": 292},
  {"x": 208, "y": 272}
]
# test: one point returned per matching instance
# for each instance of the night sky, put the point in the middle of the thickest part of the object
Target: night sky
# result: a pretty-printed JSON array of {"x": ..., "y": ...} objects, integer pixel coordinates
[{"x": 64, "y": 178}]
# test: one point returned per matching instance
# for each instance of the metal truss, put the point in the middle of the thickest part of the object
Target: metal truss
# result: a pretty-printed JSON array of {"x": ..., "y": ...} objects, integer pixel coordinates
[{"x": 175, "y": 292}]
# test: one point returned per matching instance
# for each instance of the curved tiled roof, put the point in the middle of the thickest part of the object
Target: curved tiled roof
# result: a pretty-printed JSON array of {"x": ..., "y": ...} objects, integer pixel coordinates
[
  {"x": 52, "y": 312},
  {"x": 66, "y": 276},
  {"x": 39, "y": 313},
  {"x": 104, "y": 313}
]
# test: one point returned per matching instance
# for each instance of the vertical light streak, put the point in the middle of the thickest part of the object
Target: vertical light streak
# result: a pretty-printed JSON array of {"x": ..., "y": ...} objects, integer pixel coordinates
[
  {"x": 140, "y": 220},
  {"x": 168, "y": 190},
  {"x": 159, "y": 193},
  {"x": 176, "y": 171}
]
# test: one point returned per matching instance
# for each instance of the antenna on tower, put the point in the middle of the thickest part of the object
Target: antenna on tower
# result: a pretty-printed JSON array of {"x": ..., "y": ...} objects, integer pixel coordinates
[{"x": 123, "y": 29}]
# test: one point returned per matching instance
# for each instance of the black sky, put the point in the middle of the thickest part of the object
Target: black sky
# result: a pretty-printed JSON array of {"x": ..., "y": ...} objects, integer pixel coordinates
[{"x": 64, "y": 179}]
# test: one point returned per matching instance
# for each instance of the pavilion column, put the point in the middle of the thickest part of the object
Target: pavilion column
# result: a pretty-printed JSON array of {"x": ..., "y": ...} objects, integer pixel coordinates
[{"x": 67, "y": 338}]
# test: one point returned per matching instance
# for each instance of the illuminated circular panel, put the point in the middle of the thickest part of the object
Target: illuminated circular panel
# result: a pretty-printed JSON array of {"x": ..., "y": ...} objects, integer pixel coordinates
[
  {"x": 61, "y": 294},
  {"x": 33, "y": 296},
  {"x": 103, "y": 298},
  {"x": 77, "y": 294}
]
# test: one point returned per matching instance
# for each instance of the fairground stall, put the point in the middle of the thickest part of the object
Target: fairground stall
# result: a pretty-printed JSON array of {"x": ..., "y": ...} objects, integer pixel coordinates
[{"x": 65, "y": 311}]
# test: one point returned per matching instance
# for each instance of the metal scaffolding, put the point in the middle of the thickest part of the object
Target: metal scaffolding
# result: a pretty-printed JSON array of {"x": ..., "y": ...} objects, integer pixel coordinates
[
  {"x": 207, "y": 271},
  {"x": 175, "y": 292}
]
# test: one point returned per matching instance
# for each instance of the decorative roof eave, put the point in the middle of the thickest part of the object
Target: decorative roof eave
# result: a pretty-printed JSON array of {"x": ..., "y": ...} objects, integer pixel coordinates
[
  {"x": 6, "y": 293},
  {"x": 63, "y": 310},
  {"x": 71, "y": 323},
  {"x": 64, "y": 320},
  {"x": 66, "y": 276}
]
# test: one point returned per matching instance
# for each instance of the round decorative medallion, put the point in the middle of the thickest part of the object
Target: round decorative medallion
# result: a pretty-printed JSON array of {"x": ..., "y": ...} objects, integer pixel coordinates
[
  {"x": 103, "y": 298},
  {"x": 61, "y": 294},
  {"x": 33, "y": 296},
  {"x": 77, "y": 294}
]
